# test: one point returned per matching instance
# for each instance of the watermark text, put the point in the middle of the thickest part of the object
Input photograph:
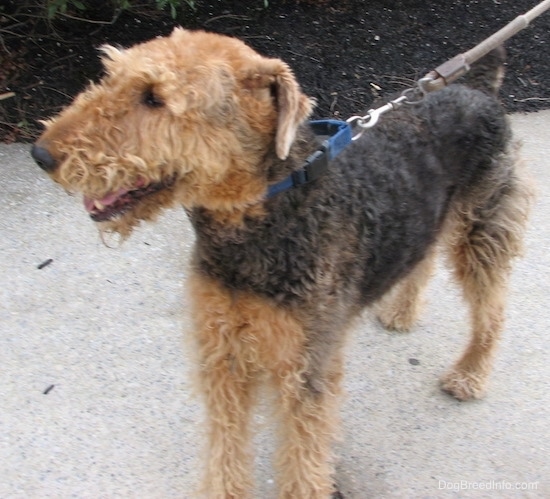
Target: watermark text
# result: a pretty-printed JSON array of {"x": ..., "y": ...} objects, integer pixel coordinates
[{"x": 487, "y": 485}]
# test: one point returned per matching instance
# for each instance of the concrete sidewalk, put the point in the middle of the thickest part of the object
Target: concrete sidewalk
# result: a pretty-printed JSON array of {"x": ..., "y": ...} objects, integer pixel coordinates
[{"x": 95, "y": 391}]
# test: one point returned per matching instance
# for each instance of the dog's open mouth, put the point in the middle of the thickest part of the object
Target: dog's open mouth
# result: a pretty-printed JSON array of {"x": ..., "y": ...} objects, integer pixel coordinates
[{"x": 119, "y": 202}]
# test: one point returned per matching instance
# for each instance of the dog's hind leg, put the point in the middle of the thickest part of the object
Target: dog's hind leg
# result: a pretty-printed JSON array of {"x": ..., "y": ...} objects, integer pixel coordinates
[
  {"x": 486, "y": 234},
  {"x": 400, "y": 307}
]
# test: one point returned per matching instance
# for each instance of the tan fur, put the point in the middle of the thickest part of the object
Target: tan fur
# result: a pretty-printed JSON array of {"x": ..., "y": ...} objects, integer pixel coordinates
[
  {"x": 482, "y": 267},
  {"x": 238, "y": 337}
]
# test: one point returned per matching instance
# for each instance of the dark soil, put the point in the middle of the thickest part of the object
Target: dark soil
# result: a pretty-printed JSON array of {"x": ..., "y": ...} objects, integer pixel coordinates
[{"x": 346, "y": 53}]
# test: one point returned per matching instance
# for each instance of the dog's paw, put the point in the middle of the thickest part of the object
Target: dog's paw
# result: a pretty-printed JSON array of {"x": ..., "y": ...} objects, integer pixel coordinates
[
  {"x": 401, "y": 321},
  {"x": 463, "y": 385}
]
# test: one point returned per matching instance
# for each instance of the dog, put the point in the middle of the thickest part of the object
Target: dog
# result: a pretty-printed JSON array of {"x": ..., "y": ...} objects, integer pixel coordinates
[{"x": 202, "y": 120}]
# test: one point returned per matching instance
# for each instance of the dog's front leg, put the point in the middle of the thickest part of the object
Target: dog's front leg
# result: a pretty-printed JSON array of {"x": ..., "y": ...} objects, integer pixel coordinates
[
  {"x": 227, "y": 381},
  {"x": 227, "y": 390},
  {"x": 309, "y": 417}
]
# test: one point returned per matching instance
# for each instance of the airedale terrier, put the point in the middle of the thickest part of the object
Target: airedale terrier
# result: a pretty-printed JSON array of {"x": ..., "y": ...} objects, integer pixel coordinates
[{"x": 201, "y": 120}]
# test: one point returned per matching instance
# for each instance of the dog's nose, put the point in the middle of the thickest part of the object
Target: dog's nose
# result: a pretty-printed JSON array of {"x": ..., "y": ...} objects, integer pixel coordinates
[{"x": 43, "y": 158}]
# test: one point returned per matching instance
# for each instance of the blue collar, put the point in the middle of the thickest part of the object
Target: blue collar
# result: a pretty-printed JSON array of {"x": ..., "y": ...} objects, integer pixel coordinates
[{"x": 338, "y": 137}]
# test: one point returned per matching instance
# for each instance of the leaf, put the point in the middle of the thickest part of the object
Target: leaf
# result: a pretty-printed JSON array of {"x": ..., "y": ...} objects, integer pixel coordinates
[
  {"x": 52, "y": 11},
  {"x": 79, "y": 5}
]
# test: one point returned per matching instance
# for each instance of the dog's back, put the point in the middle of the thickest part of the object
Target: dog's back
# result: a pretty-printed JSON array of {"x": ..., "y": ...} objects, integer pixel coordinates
[{"x": 419, "y": 164}]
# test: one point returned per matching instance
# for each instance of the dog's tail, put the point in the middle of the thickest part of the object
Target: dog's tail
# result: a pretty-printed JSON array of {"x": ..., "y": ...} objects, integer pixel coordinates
[{"x": 487, "y": 73}]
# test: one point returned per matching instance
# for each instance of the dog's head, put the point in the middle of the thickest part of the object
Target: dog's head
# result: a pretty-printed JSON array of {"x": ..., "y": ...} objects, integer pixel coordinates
[{"x": 184, "y": 119}]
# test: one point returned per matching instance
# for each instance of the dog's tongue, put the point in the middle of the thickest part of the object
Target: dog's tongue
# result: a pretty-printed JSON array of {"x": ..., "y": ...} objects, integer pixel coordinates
[
  {"x": 92, "y": 204},
  {"x": 109, "y": 199}
]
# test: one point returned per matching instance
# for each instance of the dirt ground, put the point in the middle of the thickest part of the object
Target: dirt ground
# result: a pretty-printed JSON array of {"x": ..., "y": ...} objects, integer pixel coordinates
[{"x": 346, "y": 53}]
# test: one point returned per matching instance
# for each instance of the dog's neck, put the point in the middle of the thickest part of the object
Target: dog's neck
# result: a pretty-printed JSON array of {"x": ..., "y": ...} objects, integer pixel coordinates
[{"x": 331, "y": 137}]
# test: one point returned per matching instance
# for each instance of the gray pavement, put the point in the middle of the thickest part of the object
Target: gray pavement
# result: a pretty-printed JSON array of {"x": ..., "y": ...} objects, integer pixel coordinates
[{"x": 101, "y": 331}]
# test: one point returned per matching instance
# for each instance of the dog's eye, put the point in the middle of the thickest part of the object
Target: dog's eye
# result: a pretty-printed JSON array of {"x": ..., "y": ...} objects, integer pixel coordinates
[{"x": 152, "y": 100}]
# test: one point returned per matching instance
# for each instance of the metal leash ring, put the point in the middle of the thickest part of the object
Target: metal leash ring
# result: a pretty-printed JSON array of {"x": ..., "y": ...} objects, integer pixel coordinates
[
  {"x": 373, "y": 115},
  {"x": 415, "y": 95}
]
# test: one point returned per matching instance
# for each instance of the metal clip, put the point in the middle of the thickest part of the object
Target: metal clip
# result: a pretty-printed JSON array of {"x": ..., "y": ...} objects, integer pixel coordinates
[{"x": 373, "y": 115}]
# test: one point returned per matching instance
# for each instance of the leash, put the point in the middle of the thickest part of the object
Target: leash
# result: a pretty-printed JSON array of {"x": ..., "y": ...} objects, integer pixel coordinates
[
  {"x": 459, "y": 65},
  {"x": 339, "y": 133}
]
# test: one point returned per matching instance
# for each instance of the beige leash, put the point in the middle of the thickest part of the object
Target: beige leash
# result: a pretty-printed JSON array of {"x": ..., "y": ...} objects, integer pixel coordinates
[{"x": 457, "y": 66}]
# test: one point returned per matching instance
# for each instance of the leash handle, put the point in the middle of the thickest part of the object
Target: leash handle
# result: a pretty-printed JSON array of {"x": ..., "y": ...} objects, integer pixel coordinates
[{"x": 454, "y": 68}]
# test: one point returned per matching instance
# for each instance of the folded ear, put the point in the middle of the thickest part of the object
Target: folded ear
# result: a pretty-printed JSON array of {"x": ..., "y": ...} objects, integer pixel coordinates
[{"x": 293, "y": 107}]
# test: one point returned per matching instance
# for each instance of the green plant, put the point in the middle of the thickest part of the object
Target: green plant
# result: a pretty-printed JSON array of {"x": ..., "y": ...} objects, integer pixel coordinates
[
  {"x": 56, "y": 7},
  {"x": 123, "y": 4},
  {"x": 174, "y": 5}
]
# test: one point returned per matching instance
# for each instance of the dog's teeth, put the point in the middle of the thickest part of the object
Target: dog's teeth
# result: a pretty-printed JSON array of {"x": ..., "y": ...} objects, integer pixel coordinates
[{"x": 99, "y": 205}]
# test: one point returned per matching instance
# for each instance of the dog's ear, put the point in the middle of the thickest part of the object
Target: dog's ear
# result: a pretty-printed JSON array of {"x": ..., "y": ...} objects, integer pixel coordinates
[
  {"x": 110, "y": 56},
  {"x": 293, "y": 107}
]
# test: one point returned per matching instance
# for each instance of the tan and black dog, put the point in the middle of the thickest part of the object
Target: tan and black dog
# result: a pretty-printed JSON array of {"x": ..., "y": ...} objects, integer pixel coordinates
[{"x": 201, "y": 120}]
